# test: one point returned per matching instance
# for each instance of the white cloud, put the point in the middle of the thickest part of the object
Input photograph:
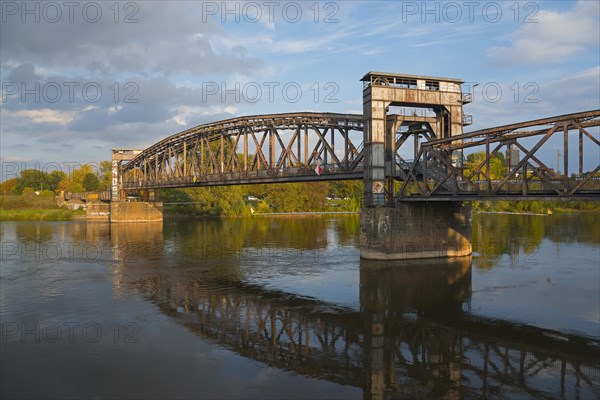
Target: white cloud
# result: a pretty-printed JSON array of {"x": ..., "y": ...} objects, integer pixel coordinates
[
  {"x": 166, "y": 39},
  {"x": 185, "y": 115},
  {"x": 46, "y": 115},
  {"x": 555, "y": 36},
  {"x": 576, "y": 92}
]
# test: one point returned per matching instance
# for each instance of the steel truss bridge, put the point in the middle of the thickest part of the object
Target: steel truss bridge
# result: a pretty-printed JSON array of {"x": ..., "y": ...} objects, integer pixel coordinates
[
  {"x": 327, "y": 146},
  {"x": 254, "y": 149}
]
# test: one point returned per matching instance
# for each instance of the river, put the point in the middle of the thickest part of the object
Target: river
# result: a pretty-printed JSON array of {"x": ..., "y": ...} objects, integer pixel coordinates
[{"x": 273, "y": 307}]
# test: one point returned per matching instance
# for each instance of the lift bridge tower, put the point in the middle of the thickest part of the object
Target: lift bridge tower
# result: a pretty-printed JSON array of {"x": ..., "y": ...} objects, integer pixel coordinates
[{"x": 430, "y": 108}]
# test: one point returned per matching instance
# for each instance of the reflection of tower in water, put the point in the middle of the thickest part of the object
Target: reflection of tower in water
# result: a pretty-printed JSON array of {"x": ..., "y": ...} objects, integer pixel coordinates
[
  {"x": 132, "y": 245},
  {"x": 404, "y": 354}
]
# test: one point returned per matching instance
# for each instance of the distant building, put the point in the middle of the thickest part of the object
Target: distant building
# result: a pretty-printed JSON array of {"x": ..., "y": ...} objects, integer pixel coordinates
[
  {"x": 514, "y": 155},
  {"x": 457, "y": 159}
]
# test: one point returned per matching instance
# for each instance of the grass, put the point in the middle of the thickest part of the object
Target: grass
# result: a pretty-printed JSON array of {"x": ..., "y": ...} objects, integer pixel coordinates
[{"x": 38, "y": 215}]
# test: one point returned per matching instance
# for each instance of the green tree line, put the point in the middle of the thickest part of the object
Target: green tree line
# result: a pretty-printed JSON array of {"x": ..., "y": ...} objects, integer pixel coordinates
[
  {"x": 79, "y": 180},
  {"x": 282, "y": 197},
  {"x": 35, "y": 190}
]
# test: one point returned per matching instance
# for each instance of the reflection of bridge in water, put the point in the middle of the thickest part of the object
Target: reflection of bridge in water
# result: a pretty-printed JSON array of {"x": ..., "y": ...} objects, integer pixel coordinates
[{"x": 412, "y": 337}]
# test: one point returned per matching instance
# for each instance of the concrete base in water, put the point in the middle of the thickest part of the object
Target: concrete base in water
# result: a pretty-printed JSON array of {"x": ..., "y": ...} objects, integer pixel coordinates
[
  {"x": 415, "y": 230},
  {"x": 136, "y": 212},
  {"x": 97, "y": 211}
]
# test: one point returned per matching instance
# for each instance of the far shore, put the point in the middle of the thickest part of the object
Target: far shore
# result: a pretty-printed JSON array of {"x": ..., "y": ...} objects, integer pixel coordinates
[
  {"x": 512, "y": 213},
  {"x": 70, "y": 215},
  {"x": 300, "y": 213}
]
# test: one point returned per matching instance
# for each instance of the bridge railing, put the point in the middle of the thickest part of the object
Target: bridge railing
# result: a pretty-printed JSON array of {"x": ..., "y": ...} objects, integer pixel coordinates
[
  {"x": 299, "y": 173},
  {"x": 103, "y": 195}
]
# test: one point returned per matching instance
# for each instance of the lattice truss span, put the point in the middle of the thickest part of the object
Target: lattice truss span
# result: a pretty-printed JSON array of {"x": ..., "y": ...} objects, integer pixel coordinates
[
  {"x": 537, "y": 162},
  {"x": 253, "y": 149}
]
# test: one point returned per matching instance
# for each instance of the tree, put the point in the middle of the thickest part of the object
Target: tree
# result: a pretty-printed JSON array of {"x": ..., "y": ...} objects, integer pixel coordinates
[
  {"x": 105, "y": 175},
  {"x": 77, "y": 188},
  {"x": 497, "y": 165},
  {"x": 47, "y": 194},
  {"x": 316, "y": 195},
  {"x": 90, "y": 182},
  {"x": 9, "y": 186},
  {"x": 55, "y": 178},
  {"x": 352, "y": 189},
  {"x": 34, "y": 179},
  {"x": 28, "y": 194},
  {"x": 224, "y": 200},
  {"x": 64, "y": 185},
  {"x": 78, "y": 175},
  {"x": 259, "y": 190},
  {"x": 286, "y": 197}
]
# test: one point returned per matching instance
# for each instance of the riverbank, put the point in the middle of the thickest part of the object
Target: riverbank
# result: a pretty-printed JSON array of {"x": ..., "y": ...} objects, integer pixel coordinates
[
  {"x": 307, "y": 213},
  {"x": 512, "y": 213},
  {"x": 281, "y": 214},
  {"x": 534, "y": 207},
  {"x": 56, "y": 214},
  {"x": 59, "y": 214}
]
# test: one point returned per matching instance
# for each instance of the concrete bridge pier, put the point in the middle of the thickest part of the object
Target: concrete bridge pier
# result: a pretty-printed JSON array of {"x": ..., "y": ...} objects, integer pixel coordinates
[
  {"x": 415, "y": 230},
  {"x": 126, "y": 211},
  {"x": 121, "y": 211}
]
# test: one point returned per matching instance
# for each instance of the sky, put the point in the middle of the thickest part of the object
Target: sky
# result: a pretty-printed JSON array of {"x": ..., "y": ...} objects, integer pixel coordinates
[{"x": 80, "y": 78}]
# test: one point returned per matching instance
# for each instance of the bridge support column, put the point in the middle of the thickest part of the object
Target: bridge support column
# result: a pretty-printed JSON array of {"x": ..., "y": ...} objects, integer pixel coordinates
[
  {"x": 415, "y": 230},
  {"x": 136, "y": 212},
  {"x": 97, "y": 211}
]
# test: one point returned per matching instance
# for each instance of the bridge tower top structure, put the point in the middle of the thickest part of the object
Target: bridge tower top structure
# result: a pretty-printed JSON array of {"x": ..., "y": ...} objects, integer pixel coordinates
[
  {"x": 119, "y": 155},
  {"x": 439, "y": 102}
]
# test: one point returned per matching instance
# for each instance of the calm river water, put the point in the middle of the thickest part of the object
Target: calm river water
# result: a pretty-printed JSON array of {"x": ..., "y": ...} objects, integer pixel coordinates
[{"x": 283, "y": 307}]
